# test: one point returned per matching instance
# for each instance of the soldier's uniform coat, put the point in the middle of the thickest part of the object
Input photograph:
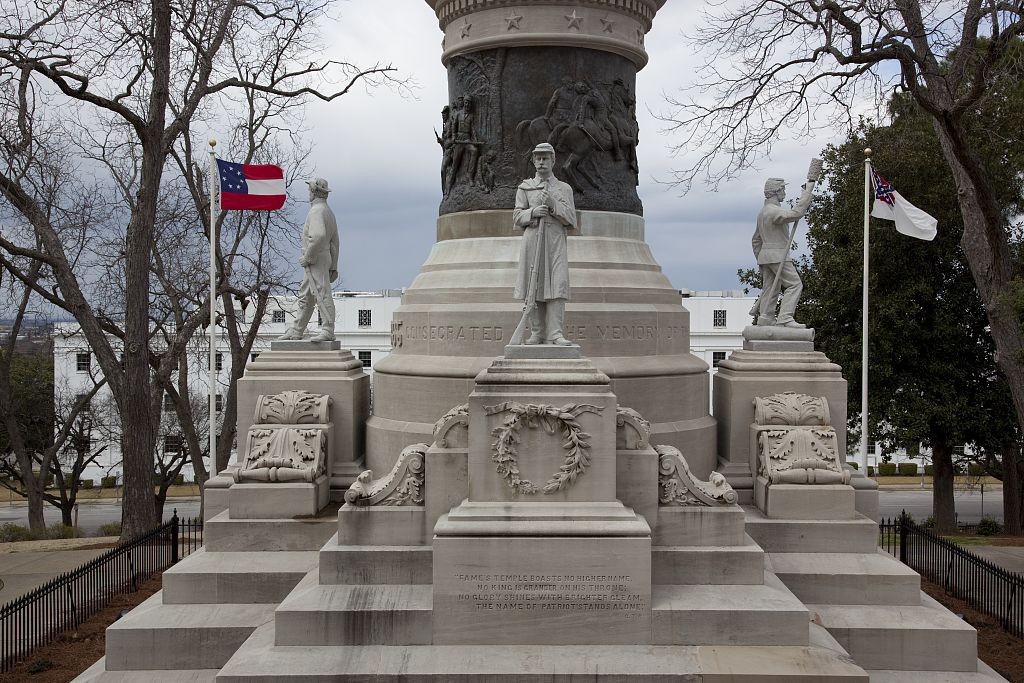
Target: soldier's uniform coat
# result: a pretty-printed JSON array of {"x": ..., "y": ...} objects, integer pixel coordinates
[{"x": 554, "y": 260}]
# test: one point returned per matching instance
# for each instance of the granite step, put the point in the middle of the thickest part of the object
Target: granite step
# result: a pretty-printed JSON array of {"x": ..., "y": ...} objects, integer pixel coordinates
[
  {"x": 369, "y": 564},
  {"x": 847, "y": 578},
  {"x": 925, "y": 637},
  {"x": 155, "y": 636},
  {"x": 858, "y": 535},
  {"x": 375, "y": 614},
  {"x": 97, "y": 673},
  {"x": 259, "y": 660},
  {"x": 984, "y": 674},
  {"x": 762, "y": 614},
  {"x": 239, "y": 577},
  {"x": 223, "y": 534},
  {"x": 737, "y": 564}
]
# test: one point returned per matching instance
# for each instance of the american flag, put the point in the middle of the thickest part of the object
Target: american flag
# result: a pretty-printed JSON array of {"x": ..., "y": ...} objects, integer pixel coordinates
[{"x": 883, "y": 190}]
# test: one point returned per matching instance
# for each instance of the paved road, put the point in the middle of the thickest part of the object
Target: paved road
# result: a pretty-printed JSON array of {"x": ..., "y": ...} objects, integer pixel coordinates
[
  {"x": 21, "y": 572},
  {"x": 970, "y": 505},
  {"x": 92, "y": 515}
]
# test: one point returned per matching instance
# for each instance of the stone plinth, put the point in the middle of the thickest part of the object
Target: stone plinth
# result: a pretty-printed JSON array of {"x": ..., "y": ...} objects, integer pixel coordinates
[
  {"x": 542, "y": 552},
  {"x": 278, "y": 500},
  {"x": 319, "y": 368},
  {"x": 749, "y": 374},
  {"x": 803, "y": 501}
]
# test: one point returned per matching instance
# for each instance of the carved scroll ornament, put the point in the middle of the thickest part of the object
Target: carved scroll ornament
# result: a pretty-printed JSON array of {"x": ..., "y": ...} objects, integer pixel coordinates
[
  {"x": 403, "y": 485},
  {"x": 292, "y": 407},
  {"x": 677, "y": 485},
  {"x": 627, "y": 417},
  {"x": 551, "y": 418},
  {"x": 456, "y": 417}
]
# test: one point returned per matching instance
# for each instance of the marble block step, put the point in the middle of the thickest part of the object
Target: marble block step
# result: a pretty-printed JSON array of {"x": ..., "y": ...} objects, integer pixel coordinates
[
  {"x": 159, "y": 636},
  {"x": 812, "y": 536},
  {"x": 241, "y": 577},
  {"x": 223, "y": 534},
  {"x": 368, "y": 564},
  {"x": 847, "y": 578},
  {"x": 765, "y": 614},
  {"x": 260, "y": 661},
  {"x": 97, "y": 673},
  {"x": 925, "y": 637},
  {"x": 984, "y": 674},
  {"x": 734, "y": 564},
  {"x": 377, "y": 614}
]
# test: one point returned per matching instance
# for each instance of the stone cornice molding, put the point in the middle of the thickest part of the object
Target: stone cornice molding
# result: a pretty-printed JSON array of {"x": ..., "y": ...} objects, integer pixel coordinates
[{"x": 617, "y": 26}]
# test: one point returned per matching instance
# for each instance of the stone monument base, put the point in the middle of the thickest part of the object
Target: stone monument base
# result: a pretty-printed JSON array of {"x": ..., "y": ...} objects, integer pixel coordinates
[
  {"x": 802, "y": 501},
  {"x": 278, "y": 499}
]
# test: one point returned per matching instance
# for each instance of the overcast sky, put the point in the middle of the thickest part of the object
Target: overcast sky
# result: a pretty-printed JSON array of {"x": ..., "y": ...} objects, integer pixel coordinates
[{"x": 379, "y": 154}]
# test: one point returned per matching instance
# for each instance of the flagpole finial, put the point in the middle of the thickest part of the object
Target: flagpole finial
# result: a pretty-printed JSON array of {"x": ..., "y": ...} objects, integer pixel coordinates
[
  {"x": 213, "y": 143},
  {"x": 868, "y": 153}
]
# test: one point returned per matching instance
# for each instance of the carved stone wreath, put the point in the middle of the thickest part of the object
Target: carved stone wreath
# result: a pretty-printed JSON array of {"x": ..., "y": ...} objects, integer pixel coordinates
[{"x": 550, "y": 418}]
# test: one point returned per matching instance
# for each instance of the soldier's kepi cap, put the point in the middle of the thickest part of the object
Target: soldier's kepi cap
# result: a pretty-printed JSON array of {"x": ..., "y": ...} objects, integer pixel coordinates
[
  {"x": 544, "y": 148},
  {"x": 318, "y": 184}
]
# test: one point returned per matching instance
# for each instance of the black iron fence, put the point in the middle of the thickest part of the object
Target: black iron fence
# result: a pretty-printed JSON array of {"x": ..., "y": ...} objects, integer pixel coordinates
[
  {"x": 64, "y": 602},
  {"x": 985, "y": 586}
]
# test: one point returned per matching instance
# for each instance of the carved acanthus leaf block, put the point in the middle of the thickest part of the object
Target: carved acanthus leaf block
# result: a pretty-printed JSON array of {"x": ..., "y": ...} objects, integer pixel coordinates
[
  {"x": 403, "y": 485},
  {"x": 627, "y": 417},
  {"x": 801, "y": 455},
  {"x": 457, "y": 416},
  {"x": 292, "y": 407},
  {"x": 791, "y": 409},
  {"x": 677, "y": 485}
]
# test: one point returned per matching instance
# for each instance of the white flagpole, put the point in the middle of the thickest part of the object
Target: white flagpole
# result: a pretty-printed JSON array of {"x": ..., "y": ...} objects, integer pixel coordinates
[
  {"x": 864, "y": 319},
  {"x": 214, "y": 212}
]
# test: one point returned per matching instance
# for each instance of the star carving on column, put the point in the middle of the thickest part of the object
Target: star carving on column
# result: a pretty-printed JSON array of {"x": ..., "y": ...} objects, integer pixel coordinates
[
  {"x": 574, "y": 20},
  {"x": 513, "y": 20},
  {"x": 466, "y": 26},
  {"x": 608, "y": 25}
]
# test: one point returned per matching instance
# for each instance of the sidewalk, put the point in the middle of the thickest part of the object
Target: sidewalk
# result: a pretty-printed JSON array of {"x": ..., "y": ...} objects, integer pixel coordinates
[
  {"x": 1009, "y": 557},
  {"x": 22, "y": 568}
]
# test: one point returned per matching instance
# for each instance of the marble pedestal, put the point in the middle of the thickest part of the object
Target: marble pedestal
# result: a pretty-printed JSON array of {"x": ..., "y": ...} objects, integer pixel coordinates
[
  {"x": 319, "y": 368},
  {"x": 542, "y": 552},
  {"x": 772, "y": 369}
]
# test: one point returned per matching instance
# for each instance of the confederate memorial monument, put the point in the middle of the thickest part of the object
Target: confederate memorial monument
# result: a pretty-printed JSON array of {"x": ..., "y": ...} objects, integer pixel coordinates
[{"x": 561, "y": 506}]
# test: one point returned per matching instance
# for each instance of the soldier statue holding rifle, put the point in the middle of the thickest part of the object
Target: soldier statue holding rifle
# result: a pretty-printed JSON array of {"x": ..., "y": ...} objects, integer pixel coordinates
[
  {"x": 772, "y": 242},
  {"x": 544, "y": 211}
]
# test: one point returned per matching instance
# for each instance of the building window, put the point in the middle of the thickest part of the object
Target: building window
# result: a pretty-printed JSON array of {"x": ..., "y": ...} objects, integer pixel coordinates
[
  {"x": 172, "y": 443},
  {"x": 719, "y": 318},
  {"x": 83, "y": 362},
  {"x": 253, "y": 356},
  {"x": 219, "y": 361},
  {"x": 278, "y": 316},
  {"x": 168, "y": 403},
  {"x": 957, "y": 450},
  {"x": 364, "y": 317},
  {"x": 364, "y": 357},
  {"x": 218, "y": 402},
  {"x": 82, "y": 443},
  {"x": 716, "y": 358},
  {"x": 871, "y": 446}
]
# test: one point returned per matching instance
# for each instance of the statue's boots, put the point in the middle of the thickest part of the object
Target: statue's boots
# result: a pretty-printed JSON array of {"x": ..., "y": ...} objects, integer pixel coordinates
[
  {"x": 793, "y": 324},
  {"x": 554, "y": 314},
  {"x": 291, "y": 333},
  {"x": 536, "y": 325},
  {"x": 325, "y": 334}
]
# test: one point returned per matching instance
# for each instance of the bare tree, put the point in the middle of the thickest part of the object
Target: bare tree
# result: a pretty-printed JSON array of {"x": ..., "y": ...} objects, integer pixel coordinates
[
  {"x": 139, "y": 73},
  {"x": 778, "y": 67}
]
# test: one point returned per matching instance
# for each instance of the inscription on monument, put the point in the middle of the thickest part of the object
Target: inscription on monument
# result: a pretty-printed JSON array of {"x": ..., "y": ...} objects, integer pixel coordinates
[
  {"x": 550, "y": 592},
  {"x": 457, "y": 334}
]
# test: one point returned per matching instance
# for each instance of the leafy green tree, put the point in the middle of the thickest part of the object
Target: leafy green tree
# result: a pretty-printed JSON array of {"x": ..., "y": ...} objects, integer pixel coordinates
[{"x": 933, "y": 375}]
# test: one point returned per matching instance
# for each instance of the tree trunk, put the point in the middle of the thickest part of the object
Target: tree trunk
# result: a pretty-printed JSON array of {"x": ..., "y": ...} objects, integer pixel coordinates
[
  {"x": 1013, "y": 487},
  {"x": 943, "y": 506},
  {"x": 139, "y": 407},
  {"x": 34, "y": 495}
]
